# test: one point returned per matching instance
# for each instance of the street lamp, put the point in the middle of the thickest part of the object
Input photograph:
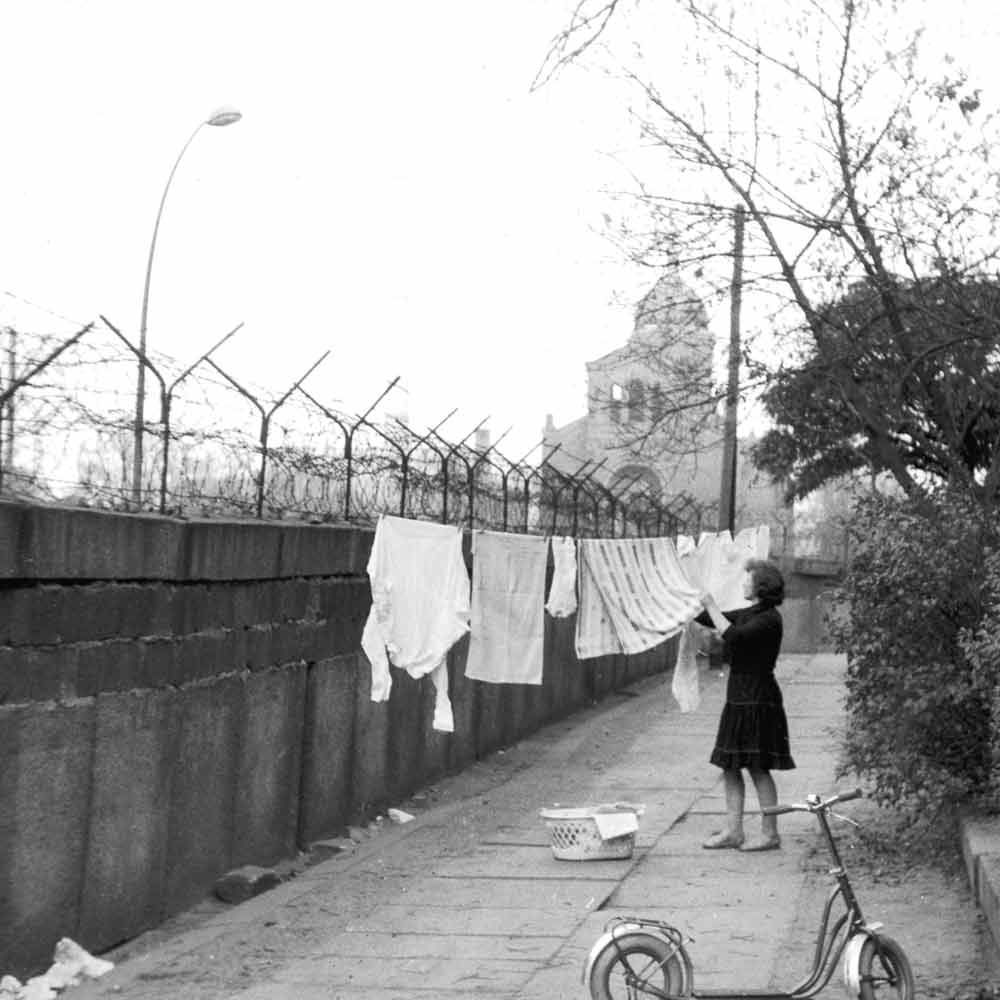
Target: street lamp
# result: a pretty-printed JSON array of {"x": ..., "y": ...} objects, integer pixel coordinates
[{"x": 225, "y": 115}]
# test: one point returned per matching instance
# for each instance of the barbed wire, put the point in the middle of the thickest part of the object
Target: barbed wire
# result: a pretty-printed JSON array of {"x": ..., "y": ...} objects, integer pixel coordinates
[{"x": 67, "y": 435}]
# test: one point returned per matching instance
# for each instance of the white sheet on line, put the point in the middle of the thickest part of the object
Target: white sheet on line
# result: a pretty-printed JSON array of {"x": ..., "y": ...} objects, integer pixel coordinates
[{"x": 633, "y": 595}]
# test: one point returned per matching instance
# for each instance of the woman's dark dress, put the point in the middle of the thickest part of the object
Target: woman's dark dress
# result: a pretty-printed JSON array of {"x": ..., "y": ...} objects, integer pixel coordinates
[{"x": 753, "y": 729}]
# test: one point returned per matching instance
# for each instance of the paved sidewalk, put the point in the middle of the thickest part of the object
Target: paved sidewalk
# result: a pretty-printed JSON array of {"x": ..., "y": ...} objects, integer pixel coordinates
[{"x": 468, "y": 900}]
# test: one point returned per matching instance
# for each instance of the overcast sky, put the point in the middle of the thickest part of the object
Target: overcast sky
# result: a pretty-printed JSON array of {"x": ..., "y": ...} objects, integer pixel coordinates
[{"x": 393, "y": 193}]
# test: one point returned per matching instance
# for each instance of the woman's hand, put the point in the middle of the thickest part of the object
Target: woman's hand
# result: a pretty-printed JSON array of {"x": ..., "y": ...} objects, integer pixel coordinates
[{"x": 719, "y": 620}]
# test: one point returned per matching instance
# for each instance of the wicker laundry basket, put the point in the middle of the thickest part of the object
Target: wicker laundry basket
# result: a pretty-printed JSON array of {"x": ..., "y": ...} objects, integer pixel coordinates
[{"x": 575, "y": 835}]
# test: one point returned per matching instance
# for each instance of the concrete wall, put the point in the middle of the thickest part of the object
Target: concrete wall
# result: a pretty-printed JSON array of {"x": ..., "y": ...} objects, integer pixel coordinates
[
  {"x": 178, "y": 698},
  {"x": 809, "y": 586}
]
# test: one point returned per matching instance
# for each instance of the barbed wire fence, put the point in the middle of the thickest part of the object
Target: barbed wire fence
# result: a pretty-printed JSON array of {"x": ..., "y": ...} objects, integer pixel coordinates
[{"x": 221, "y": 447}]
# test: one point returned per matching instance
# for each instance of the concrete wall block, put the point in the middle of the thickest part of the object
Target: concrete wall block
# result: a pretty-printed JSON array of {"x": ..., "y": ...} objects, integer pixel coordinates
[
  {"x": 219, "y": 607},
  {"x": 60, "y": 543},
  {"x": 292, "y": 642},
  {"x": 325, "y": 550},
  {"x": 408, "y": 722},
  {"x": 294, "y": 599},
  {"x": 27, "y": 674},
  {"x": 112, "y": 665},
  {"x": 45, "y": 791},
  {"x": 253, "y": 603},
  {"x": 988, "y": 884},
  {"x": 157, "y": 662},
  {"x": 33, "y": 615},
  {"x": 535, "y": 708},
  {"x": 198, "y": 607},
  {"x": 202, "y": 791},
  {"x": 369, "y": 764},
  {"x": 328, "y": 747},
  {"x": 436, "y": 747},
  {"x": 461, "y": 747},
  {"x": 348, "y": 599},
  {"x": 258, "y": 645},
  {"x": 141, "y": 609},
  {"x": 796, "y": 616},
  {"x": 63, "y": 613},
  {"x": 488, "y": 723},
  {"x": 267, "y": 795},
  {"x": 134, "y": 753},
  {"x": 13, "y": 611},
  {"x": 13, "y": 518},
  {"x": 520, "y": 724},
  {"x": 330, "y": 637},
  {"x": 231, "y": 550},
  {"x": 200, "y": 656}
]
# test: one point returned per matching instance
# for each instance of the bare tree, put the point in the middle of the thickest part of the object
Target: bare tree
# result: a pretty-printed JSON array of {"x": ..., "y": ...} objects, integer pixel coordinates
[{"x": 858, "y": 153}]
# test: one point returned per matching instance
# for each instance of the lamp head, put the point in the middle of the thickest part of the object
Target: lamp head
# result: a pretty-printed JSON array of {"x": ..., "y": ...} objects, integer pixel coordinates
[{"x": 225, "y": 115}]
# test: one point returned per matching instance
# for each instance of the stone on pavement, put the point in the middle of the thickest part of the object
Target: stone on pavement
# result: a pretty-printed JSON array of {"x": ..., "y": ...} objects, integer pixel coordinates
[{"x": 244, "y": 883}]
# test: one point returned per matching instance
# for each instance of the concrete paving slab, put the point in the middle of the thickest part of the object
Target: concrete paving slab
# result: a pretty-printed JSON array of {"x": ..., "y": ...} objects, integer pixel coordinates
[
  {"x": 522, "y": 862},
  {"x": 531, "y": 921},
  {"x": 473, "y": 976},
  {"x": 402, "y": 945},
  {"x": 514, "y": 894}
]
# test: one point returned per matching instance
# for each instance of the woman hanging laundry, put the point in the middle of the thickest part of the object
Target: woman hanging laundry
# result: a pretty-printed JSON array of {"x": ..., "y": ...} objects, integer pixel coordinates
[{"x": 753, "y": 728}]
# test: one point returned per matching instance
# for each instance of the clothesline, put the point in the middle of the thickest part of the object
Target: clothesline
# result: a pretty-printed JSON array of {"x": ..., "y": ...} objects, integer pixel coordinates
[{"x": 633, "y": 594}]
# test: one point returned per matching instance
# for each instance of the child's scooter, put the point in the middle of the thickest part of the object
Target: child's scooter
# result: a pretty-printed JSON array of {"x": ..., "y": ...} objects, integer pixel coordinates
[{"x": 637, "y": 957}]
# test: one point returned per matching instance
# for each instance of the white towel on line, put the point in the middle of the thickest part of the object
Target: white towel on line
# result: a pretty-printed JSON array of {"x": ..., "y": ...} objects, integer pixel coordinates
[
  {"x": 562, "y": 592},
  {"x": 420, "y": 606},
  {"x": 633, "y": 595},
  {"x": 508, "y": 617}
]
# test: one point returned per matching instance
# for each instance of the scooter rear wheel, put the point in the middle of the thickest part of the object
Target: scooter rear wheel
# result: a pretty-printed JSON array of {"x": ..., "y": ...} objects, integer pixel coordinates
[
  {"x": 885, "y": 971},
  {"x": 634, "y": 961}
]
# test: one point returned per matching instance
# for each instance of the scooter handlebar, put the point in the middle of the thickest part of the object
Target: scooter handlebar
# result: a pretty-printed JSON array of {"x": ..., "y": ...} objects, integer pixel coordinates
[{"x": 815, "y": 803}]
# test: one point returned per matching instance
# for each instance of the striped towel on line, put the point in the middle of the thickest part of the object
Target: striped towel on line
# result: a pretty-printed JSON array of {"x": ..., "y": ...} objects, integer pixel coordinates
[{"x": 633, "y": 595}]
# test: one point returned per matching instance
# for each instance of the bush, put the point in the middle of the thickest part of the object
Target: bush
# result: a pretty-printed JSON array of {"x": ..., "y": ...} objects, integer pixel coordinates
[
  {"x": 919, "y": 684},
  {"x": 981, "y": 648}
]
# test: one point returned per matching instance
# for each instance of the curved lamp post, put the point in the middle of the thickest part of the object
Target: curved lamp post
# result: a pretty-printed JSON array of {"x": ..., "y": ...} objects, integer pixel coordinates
[{"x": 225, "y": 115}]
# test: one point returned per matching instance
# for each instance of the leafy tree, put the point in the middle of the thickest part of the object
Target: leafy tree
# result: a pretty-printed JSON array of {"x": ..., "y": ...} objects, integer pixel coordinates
[{"x": 934, "y": 372}]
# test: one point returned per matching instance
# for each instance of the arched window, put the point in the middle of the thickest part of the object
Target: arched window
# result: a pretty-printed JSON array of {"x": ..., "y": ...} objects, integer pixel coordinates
[{"x": 617, "y": 397}]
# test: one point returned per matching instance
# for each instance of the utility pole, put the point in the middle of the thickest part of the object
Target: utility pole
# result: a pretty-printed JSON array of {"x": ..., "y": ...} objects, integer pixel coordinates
[
  {"x": 727, "y": 492},
  {"x": 11, "y": 379}
]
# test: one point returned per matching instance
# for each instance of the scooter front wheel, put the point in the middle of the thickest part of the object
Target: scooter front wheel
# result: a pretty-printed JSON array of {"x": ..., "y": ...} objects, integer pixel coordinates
[
  {"x": 885, "y": 972},
  {"x": 629, "y": 965}
]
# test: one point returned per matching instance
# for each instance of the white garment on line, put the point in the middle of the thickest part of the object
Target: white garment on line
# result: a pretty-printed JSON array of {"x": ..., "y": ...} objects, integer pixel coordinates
[
  {"x": 508, "y": 616},
  {"x": 715, "y": 564},
  {"x": 684, "y": 684},
  {"x": 420, "y": 606},
  {"x": 633, "y": 595},
  {"x": 562, "y": 592}
]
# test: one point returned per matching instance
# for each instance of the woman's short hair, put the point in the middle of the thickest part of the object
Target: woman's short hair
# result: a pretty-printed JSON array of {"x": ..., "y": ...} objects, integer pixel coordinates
[{"x": 768, "y": 583}]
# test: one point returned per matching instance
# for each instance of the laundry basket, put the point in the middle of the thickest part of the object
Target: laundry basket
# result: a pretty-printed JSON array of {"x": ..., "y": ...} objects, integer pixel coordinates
[{"x": 575, "y": 835}]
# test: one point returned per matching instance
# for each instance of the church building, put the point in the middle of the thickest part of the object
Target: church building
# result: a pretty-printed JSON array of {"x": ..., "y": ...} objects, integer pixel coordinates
[{"x": 654, "y": 422}]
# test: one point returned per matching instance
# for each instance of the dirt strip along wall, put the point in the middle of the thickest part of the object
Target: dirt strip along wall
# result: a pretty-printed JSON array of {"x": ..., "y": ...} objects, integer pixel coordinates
[{"x": 179, "y": 698}]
